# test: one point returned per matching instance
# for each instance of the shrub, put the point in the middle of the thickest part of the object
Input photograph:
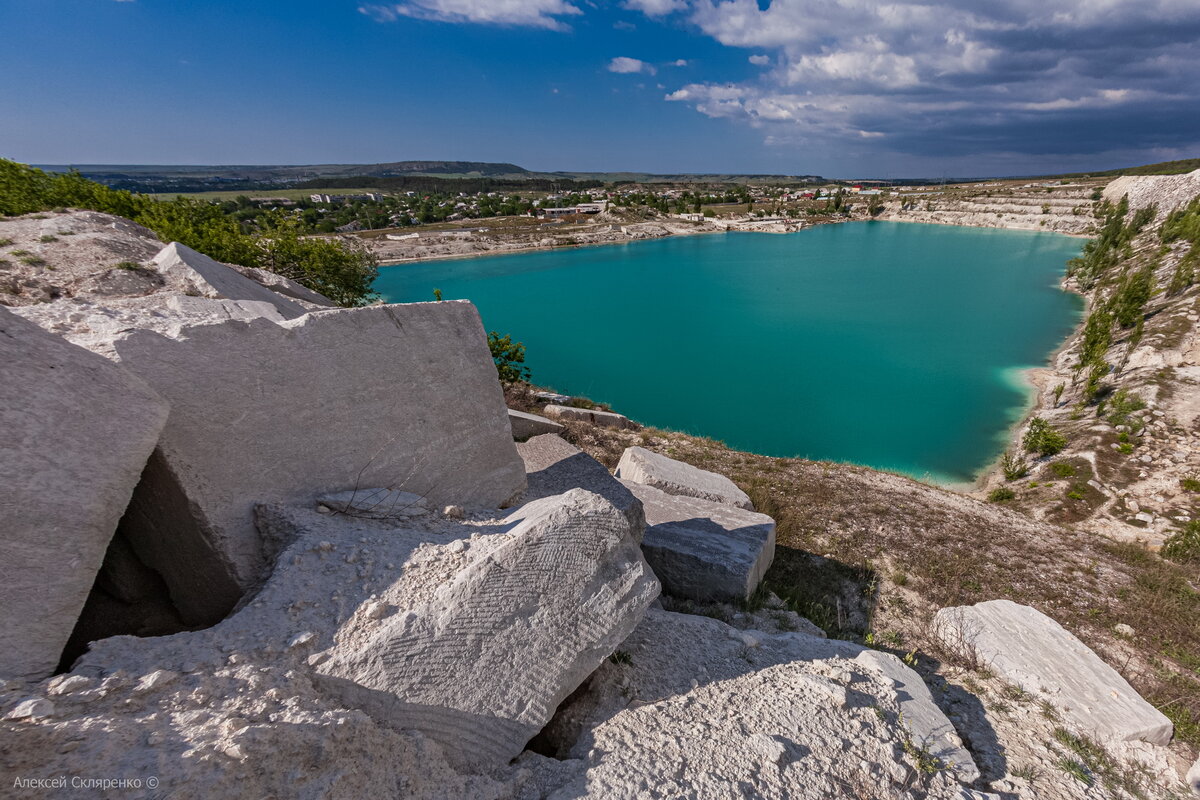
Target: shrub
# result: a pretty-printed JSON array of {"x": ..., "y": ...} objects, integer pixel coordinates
[
  {"x": 1043, "y": 438},
  {"x": 1121, "y": 405},
  {"x": 1013, "y": 466},
  {"x": 1063, "y": 469},
  {"x": 509, "y": 357},
  {"x": 1000, "y": 494},
  {"x": 1078, "y": 491}
]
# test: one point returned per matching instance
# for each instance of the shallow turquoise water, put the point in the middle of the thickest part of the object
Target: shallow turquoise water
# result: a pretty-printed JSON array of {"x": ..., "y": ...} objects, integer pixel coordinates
[{"x": 893, "y": 345}]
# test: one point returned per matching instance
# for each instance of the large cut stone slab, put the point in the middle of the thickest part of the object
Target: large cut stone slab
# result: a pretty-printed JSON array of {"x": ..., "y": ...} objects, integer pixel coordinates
[
  {"x": 675, "y": 477},
  {"x": 702, "y": 550},
  {"x": 696, "y": 708},
  {"x": 1030, "y": 650},
  {"x": 197, "y": 274},
  {"x": 525, "y": 426},
  {"x": 553, "y": 466},
  {"x": 605, "y": 419},
  {"x": 483, "y": 665},
  {"x": 399, "y": 397},
  {"x": 77, "y": 432}
]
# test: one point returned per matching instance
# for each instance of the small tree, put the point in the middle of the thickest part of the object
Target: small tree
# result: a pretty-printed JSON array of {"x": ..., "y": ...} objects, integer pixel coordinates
[
  {"x": 1043, "y": 438},
  {"x": 509, "y": 356}
]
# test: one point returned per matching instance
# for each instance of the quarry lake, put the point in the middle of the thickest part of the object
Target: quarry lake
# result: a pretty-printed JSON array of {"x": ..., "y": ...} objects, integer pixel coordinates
[{"x": 893, "y": 345}]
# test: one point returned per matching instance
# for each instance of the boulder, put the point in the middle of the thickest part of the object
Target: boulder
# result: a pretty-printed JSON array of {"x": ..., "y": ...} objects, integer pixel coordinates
[
  {"x": 702, "y": 550},
  {"x": 1026, "y": 648},
  {"x": 78, "y": 431},
  {"x": 553, "y": 466},
  {"x": 605, "y": 419},
  {"x": 525, "y": 426},
  {"x": 196, "y": 274},
  {"x": 695, "y": 708},
  {"x": 483, "y": 665},
  {"x": 1193, "y": 778},
  {"x": 675, "y": 477},
  {"x": 368, "y": 640},
  {"x": 403, "y": 397}
]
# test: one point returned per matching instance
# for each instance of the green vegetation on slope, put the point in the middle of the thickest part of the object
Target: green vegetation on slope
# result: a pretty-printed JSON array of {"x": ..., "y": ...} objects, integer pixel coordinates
[{"x": 341, "y": 271}]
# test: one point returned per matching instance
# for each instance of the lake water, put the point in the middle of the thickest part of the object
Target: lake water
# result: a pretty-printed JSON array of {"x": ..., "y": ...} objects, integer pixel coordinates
[{"x": 894, "y": 345}]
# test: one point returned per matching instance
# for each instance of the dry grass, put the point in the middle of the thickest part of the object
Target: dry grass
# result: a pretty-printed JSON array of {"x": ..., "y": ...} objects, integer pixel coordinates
[{"x": 861, "y": 552}]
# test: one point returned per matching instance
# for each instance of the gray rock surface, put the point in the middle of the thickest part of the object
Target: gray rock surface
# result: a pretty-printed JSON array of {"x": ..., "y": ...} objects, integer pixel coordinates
[
  {"x": 927, "y": 726},
  {"x": 375, "y": 503},
  {"x": 1026, "y": 648},
  {"x": 526, "y": 426},
  {"x": 483, "y": 666},
  {"x": 695, "y": 708},
  {"x": 554, "y": 466},
  {"x": 397, "y": 396},
  {"x": 284, "y": 286},
  {"x": 675, "y": 477},
  {"x": 78, "y": 431},
  {"x": 196, "y": 274},
  {"x": 252, "y": 706},
  {"x": 605, "y": 419},
  {"x": 702, "y": 550},
  {"x": 1193, "y": 778}
]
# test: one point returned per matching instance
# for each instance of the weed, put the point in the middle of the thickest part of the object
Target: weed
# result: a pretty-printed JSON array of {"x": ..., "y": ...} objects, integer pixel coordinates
[
  {"x": 900, "y": 579},
  {"x": 5, "y": 242},
  {"x": 1191, "y": 483},
  {"x": 1076, "y": 770},
  {"x": 1184, "y": 545},
  {"x": 620, "y": 657},
  {"x": 1078, "y": 491},
  {"x": 1000, "y": 494},
  {"x": 29, "y": 259},
  {"x": 48, "y": 238},
  {"x": 131, "y": 266},
  {"x": 1026, "y": 772}
]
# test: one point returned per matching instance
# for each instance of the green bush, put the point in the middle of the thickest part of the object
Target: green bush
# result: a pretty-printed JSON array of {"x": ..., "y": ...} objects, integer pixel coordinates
[
  {"x": 1043, "y": 438},
  {"x": 1121, "y": 405},
  {"x": 509, "y": 357},
  {"x": 1013, "y": 466},
  {"x": 1000, "y": 494},
  {"x": 1063, "y": 469}
]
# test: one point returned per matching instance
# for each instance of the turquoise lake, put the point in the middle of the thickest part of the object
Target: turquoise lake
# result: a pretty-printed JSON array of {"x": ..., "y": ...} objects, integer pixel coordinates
[{"x": 894, "y": 345}]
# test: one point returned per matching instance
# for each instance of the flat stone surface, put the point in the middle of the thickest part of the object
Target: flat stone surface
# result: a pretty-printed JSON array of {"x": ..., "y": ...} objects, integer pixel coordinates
[
  {"x": 194, "y": 273},
  {"x": 77, "y": 432},
  {"x": 397, "y": 396},
  {"x": 1028, "y": 649},
  {"x": 702, "y": 550},
  {"x": 693, "y": 710},
  {"x": 526, "y": 426},
  {"x": 675, "y": 477},
  {"x": 554, "y": 466},
  {"x": 605, "y": 419}
]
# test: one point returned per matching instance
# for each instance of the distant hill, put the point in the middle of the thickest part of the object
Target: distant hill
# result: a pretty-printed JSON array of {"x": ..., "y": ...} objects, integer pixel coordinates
[{"x": 1162, "y": 168}]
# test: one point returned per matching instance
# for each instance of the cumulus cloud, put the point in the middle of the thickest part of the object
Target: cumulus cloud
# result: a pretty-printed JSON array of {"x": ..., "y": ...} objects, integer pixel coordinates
[
  {"x": 630, "y": 66},
  {"x": 931, "y": 76},
  {"x": 525, "y": 13}
]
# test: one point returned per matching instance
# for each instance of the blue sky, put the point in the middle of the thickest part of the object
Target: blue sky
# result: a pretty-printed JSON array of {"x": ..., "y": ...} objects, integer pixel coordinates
[{"x": 834, "y": 87}]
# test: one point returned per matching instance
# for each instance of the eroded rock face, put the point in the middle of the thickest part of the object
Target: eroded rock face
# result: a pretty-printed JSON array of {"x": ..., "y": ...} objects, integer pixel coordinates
[
  {"x": 694, "y": 708},
  {"x": 403, "y": 397},
  {"x": 675, "y": 477},
  {"x": 78, "y": 431},
  {"x": 1026, "y": 648},
  {"x": 702, "y": 550},
  {"x": 482, "y": 667}
]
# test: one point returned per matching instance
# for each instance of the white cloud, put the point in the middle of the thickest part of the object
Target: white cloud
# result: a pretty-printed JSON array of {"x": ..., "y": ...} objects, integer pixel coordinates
[
  {"x": 927, "y": 70},
  {"x": 679, "y": 62},
  {"x": 630, "y": 66},
  {"x": 655, "y": 8},
  {"x": 525, "y": 13}
]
